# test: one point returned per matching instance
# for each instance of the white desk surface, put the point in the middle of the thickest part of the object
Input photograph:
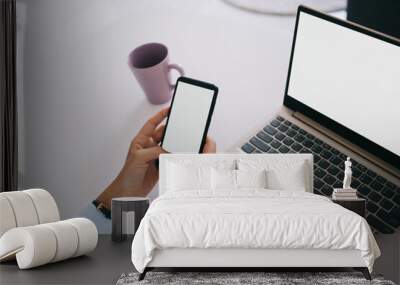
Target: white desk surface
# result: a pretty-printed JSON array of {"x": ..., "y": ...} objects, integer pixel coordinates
[{"x": 246, "y": 55}]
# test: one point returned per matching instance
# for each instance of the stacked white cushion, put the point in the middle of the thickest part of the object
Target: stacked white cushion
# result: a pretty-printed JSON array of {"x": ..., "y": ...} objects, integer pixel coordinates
[
  {"x": 87, "y": 234},
  {"x": 23, "y": 208},
  {"x": 7, "y": 219},
  {"x": 45, "y": 205},
  {"x": 67, "y": 240},
  {"x": 32, "y": 246},
  {"x": 27, "y": 208},
  {"x": 41, "y": 244},
  {"x": 31, "y": 232}
]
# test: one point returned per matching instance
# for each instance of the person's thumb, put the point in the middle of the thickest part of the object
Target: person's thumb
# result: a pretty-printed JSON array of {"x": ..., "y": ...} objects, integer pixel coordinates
[{"x": 145, "y": 155}]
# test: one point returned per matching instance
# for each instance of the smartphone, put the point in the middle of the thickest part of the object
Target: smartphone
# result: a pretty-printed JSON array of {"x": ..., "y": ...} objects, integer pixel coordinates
[{"x": 189, "y": 116}]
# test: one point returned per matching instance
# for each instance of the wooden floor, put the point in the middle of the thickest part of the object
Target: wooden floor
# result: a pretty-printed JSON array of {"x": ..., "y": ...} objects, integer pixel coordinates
[{"x": 102, "y": 266}]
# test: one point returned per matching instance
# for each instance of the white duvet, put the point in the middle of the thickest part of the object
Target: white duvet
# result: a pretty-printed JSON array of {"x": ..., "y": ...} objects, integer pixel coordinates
[{"x": 250, "y": 218}]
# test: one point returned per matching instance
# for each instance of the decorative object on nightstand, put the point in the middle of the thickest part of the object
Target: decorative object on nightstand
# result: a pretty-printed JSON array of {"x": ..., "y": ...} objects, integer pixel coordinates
[
  {"x": 355, "y": 205},
  {"x": 126, "y": 214},
  {"x": 347, "y": 196},
  {"x": 346, "y": 193},
  {"x": 348, "y": 173}
]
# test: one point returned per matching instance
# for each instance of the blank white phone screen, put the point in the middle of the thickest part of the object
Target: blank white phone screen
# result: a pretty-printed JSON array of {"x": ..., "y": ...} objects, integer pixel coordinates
[
  {"x": 187, "y": 119},
  {"x": 349, "y": 77}
]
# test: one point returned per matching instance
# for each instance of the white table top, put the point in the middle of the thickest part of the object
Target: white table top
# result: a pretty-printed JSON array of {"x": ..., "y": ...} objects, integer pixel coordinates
[{"x": 246, "y": 55}]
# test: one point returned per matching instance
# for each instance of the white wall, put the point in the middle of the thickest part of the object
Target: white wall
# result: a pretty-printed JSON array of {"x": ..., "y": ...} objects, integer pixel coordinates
[{"x": 77, "y": 119}]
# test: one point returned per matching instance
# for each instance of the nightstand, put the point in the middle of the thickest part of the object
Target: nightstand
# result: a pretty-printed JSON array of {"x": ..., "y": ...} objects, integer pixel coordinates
[
  {"x": 355, "y": 205},
  {"x": 126, "y": 215}
]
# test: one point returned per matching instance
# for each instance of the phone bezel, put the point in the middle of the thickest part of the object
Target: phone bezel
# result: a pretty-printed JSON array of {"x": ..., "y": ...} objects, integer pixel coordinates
[{"x": 210, "y": 112}]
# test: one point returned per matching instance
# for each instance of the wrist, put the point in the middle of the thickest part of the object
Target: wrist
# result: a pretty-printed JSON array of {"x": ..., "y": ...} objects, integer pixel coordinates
[
  {"x": 118, "y": 188},
  {"x": 106, "y": 196},
  {"x": 102, "y": 208}
]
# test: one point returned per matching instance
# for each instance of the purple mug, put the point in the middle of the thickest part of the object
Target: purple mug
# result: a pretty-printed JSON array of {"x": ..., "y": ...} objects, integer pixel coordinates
[{"x": 150, "y": 65}]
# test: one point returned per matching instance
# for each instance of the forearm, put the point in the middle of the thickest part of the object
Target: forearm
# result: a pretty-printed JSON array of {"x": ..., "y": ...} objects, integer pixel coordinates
[
  {"x": 123, "y": 186},
  {"x": 112, "y": 191}
]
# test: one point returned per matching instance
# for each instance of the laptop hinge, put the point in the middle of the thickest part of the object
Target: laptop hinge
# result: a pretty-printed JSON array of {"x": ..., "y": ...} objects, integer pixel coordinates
[{"x": 343, "y": 142}]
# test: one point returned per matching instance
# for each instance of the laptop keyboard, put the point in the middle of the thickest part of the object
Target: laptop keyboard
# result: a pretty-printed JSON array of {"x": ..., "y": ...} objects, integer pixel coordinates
[{"x": 383, "y": 197}]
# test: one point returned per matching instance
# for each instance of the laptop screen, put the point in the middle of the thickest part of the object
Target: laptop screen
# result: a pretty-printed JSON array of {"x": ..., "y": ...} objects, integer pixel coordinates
[{"x": 347, "y": 79}]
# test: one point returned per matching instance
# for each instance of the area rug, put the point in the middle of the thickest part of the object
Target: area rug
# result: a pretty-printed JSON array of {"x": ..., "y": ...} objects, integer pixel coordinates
[{"x": 269, "y": 278}]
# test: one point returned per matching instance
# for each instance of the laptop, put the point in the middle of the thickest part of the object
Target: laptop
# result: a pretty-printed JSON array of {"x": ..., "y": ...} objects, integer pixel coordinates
[{"x": 342, "y": 99}]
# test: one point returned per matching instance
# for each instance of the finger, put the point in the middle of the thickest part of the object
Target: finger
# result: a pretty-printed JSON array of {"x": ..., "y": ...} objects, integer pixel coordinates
[
  {"x": 153, "y": 122},
  {"x": 144, "y": 142},
  {"x": 148, "y": 154},
  {"x": 210, "y": 146},
  {"x": 157, "y": 136},
  {"x": 140, "y": 142}
]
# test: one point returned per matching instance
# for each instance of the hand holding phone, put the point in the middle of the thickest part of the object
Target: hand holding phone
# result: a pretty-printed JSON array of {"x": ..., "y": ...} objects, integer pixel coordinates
[{"x": 189, "y": 116}]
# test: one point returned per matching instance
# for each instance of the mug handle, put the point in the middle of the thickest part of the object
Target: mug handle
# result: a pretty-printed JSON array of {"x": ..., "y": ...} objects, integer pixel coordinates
[{"x": 177, "y": 68}]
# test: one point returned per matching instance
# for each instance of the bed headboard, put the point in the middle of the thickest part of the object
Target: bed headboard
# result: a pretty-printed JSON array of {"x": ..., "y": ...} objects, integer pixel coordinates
[{"x": 214, "y": 158}]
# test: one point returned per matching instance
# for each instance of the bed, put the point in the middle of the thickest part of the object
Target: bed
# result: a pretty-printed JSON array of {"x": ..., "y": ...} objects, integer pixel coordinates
[{"x": 247, "y": 211}]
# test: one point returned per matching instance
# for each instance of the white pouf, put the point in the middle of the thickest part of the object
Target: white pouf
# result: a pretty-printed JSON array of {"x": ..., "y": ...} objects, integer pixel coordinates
[{"x": 31, "y": 233}]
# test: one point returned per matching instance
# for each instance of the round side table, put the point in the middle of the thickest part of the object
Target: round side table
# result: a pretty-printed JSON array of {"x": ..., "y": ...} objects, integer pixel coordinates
[{"x": 126, "y": 214}]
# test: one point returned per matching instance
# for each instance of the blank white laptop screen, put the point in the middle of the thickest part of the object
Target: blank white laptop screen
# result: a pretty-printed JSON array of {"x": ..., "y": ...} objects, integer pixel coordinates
[{"x": 350, "y": 77}]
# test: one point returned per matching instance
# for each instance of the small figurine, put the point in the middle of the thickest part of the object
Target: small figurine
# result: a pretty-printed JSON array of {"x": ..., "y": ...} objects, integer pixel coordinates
[{"x": 347, "y": 174}]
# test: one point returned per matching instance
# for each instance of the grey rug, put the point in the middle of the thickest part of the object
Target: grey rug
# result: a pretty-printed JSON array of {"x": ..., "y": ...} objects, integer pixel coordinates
[{"x": 273, "y": 278}]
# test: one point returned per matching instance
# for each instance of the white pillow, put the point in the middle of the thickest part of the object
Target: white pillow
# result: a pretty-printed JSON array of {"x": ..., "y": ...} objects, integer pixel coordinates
[
  {"x": 223, "y": 179},
  {"x": 181, "y": 177},
  {"x": 281, "y": 175},
  {"x": 288, "y": 177},
  {"x": 189, "y": 174},
  {"x": 251, "y": 178},
  {"x": 236, "y": 179}
]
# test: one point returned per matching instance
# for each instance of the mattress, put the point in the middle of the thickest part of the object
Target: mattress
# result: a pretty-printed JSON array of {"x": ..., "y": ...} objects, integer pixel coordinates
[{"x": 250, "y": 219}]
